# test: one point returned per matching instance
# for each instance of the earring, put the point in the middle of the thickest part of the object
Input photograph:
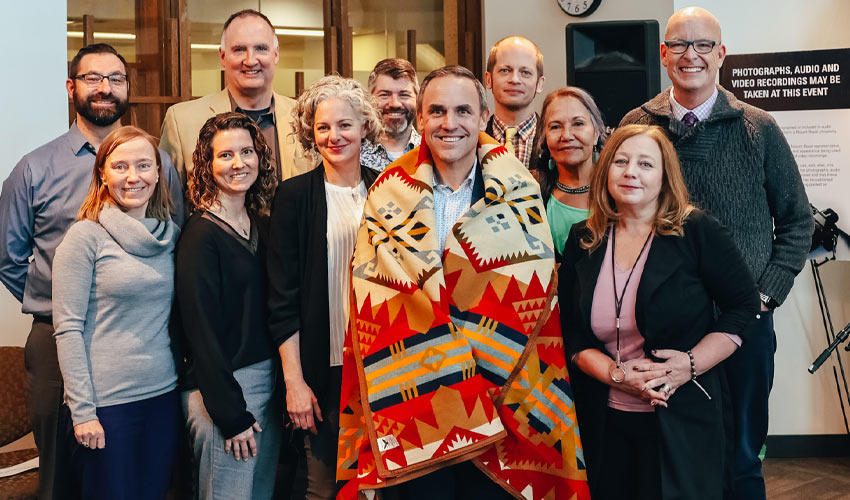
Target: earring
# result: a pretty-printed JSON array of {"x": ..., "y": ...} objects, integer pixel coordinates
[{"x": 552, "y": 164}]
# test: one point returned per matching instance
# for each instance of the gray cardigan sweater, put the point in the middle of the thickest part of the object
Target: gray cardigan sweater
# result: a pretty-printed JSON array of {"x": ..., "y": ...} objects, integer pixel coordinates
[
  {"x": 738, "y": 166},
  {"x": 113, "y": 282}
]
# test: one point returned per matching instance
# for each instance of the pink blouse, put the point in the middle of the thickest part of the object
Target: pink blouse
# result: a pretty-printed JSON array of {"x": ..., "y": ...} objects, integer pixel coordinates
[{"x": 603, "y": 316}]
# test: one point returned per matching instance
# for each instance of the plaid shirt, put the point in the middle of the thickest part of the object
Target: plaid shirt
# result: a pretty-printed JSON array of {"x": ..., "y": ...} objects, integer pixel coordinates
[
  {"x": 523, "y": 140},
  {"x": 375, "y": 156}
]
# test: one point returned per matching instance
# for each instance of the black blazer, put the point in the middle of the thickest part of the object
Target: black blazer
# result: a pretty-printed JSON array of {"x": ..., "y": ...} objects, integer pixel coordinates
[
  {"x": 684, "y": 279},
  {"x": 298, "y": 271}
]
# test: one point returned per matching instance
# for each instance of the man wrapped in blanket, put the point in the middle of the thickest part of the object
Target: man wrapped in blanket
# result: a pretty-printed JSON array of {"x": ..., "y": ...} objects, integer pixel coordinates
[{"x": 455, "y": 383}]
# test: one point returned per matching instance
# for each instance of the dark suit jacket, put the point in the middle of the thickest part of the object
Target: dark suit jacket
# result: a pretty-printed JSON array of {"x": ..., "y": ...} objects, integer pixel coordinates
[
  {"x": 683, "y": 280},
  {"x": 298, "y": 271}
]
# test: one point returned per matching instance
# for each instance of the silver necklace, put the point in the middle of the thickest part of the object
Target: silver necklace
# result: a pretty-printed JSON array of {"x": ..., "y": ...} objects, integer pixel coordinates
[
  {"x": 242, "y": 229},
  {"x": 571, "y": 190}
]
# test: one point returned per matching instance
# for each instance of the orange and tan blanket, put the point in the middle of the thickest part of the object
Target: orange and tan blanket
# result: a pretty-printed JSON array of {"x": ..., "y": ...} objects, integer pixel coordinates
[{"x": 457, "y": 356}]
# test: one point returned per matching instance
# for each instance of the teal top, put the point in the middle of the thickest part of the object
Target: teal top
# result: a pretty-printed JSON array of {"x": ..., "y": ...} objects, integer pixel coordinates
[{"x": 561, "y": 219}]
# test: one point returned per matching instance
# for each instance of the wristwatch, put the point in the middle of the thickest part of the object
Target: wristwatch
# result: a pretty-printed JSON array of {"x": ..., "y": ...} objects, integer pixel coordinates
[{"x": 768, "y": 301}]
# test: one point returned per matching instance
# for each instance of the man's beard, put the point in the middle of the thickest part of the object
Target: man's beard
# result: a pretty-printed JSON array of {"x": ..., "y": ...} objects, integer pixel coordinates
[
  {"x": 102, "y": 117},
  {"x": 397, "y": 127}
]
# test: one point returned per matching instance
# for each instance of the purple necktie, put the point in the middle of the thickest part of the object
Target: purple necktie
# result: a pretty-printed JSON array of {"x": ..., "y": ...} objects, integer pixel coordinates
[{"x": 690, "y": 119}]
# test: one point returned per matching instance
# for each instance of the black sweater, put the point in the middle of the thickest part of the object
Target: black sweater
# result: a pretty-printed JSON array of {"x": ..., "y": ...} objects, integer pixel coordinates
[
  {"x": 298, "y": 271},
  {"x": 220, "y": 316}
]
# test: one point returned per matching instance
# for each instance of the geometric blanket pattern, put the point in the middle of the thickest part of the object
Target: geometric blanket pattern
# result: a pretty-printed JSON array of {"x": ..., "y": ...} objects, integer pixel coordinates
[{"x": 457, "y": 356}]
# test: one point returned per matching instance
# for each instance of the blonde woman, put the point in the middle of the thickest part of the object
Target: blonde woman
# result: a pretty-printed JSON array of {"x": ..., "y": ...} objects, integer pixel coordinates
[
  {"x": 639, "y": 284},
  {"x": 113, "y": 279},
  {"x": 314, "y": 224}
]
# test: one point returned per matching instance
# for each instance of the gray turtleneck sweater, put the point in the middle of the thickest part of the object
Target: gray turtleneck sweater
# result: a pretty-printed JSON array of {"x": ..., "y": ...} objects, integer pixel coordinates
[{"x": 113, "y": 283}]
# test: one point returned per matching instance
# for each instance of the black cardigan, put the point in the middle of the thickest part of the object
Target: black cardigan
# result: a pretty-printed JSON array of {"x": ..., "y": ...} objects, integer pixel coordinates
[
  {"x": 684, "y": 278},
  {"x": 298, "y": 271},
  {"x": 219, "y": 316}
]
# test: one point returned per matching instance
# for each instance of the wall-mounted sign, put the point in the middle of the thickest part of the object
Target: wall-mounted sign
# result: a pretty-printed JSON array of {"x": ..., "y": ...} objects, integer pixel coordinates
[
  {"x": 786, "y": 81},
  {"x": 808, "y": 94}
]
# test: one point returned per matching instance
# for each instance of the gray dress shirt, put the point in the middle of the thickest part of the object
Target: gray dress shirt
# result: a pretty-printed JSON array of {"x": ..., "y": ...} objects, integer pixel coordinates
[{"x": 39, "y": 202}]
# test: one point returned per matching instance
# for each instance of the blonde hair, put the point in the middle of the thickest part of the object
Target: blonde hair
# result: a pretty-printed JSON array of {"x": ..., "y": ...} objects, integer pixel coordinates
[
  {"x": 334, "y": 87},
  {"x": 160, "y": 206},
  {"x": 673, "y": 204}
]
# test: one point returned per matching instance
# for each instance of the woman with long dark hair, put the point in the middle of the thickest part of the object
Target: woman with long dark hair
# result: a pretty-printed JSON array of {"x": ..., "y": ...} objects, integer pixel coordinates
[{"x": 228, "y": 374}]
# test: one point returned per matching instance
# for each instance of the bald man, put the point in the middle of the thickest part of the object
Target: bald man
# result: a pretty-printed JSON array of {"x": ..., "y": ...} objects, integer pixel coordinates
[
  {"x": 515, "y": 76},
  {"x": 738, "y": 166}
]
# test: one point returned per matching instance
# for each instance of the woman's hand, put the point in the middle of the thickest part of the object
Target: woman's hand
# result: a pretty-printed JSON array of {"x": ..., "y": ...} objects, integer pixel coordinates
[
  {"x": 301, "y": 405},
  {"x": 90, "y": 434},
  {"x": 676, "y": 371},
  {"x": 638, "y": 381},
  {"x": 243, "y": 444}
]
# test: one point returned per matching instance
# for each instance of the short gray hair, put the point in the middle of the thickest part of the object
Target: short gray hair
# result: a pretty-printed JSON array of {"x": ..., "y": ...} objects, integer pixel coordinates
[
  {"x": 334, "y": 87},
  {"x": 457, "y": 72},
  {"x": 247, "y": 13}
]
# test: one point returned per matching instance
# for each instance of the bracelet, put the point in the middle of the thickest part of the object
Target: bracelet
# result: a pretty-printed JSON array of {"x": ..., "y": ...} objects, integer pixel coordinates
[{"x": 694, "y": 374}]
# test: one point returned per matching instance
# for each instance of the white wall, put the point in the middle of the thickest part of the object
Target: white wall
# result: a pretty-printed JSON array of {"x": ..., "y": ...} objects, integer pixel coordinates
[
  {"x": 543, "y": 22},
  {"x": 35, "y": 107},
  {"x": 800, "y": 403}
]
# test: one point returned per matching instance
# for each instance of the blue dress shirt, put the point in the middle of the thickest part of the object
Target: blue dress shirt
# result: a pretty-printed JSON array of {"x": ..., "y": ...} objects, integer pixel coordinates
[{"x": 39, "y": 202}]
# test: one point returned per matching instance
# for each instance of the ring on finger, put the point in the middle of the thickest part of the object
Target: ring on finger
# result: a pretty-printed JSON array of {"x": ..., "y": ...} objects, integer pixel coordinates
[{"x": 666, "y": 388}]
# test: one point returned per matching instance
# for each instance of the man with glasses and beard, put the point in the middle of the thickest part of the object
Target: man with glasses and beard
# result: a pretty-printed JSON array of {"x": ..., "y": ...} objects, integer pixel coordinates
[
  {"x": 394, "y": 86},
  {"x": 38, "y": 203}
]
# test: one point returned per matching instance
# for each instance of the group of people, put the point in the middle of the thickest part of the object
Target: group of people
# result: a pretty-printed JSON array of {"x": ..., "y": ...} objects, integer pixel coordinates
[{"x": 464, "y": 305}]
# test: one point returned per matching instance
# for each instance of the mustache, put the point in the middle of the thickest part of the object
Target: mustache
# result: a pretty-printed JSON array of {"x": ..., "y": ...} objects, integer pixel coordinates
[
  {"x": 396, "y": 109},
  {"x": 100, "y": 96}
]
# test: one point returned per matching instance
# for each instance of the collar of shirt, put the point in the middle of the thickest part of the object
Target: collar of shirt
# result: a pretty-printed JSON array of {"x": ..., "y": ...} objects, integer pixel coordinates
[
  {"x": 375, "y": 156},
  {"x": 702, "y": 111},
  {"x": 268, "y": 115},
  {"x": 79, "y": 144},
  {"x": 523, "y": 129},
  {"x": 413, "y": 142},
  {"x": 466, "y": 184}
]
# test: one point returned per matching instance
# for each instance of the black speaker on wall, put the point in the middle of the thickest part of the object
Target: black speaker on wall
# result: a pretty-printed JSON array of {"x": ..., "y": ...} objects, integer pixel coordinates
[{"x": 616, "y": 61}]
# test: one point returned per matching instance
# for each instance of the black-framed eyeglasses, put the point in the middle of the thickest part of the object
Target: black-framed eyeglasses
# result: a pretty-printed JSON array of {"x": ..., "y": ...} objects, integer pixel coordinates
[
  {"x": 681, "y": 46},
  {"x": 93, "y": 79}
]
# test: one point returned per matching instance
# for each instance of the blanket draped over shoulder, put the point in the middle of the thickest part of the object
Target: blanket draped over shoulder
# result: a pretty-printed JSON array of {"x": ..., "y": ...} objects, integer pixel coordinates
[{"x": 457, "y": 356}]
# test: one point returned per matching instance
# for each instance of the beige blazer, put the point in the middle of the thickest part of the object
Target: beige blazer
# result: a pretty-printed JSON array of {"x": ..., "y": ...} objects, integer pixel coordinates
[{"x": 184, "y": 120}]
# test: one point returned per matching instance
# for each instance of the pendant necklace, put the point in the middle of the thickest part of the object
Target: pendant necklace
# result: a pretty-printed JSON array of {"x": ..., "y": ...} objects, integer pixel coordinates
[
  {"x": 618, "y": 299},
  {"x": 238, "y": 227}
]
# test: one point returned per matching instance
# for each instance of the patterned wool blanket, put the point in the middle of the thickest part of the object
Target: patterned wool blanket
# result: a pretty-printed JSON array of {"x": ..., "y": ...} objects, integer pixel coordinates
[{"x": 457, "y": 356}]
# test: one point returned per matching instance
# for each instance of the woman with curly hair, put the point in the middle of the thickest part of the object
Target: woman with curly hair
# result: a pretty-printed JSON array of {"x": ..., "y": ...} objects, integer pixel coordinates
[
  {"x": 314, "y": 223},
  {"x": 228, "y": 371}
]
